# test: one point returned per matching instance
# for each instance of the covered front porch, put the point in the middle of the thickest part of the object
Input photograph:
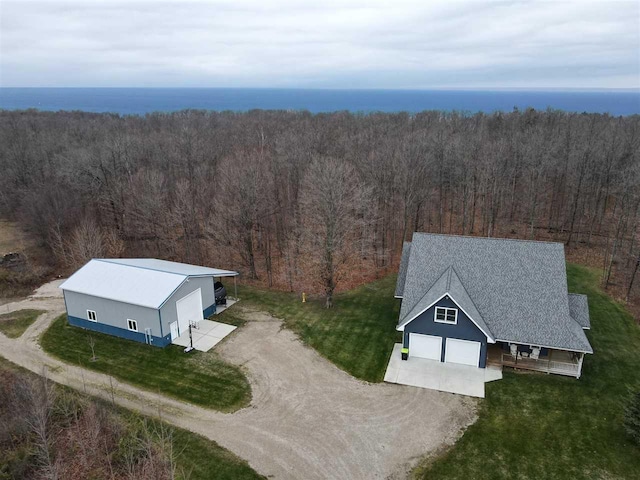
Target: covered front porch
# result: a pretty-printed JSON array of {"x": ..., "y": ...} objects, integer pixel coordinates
[{"x": 548, "y": 360}]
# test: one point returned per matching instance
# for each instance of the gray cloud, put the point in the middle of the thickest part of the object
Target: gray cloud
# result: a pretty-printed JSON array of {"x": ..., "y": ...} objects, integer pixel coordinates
[{"x": 400, "y": 44}]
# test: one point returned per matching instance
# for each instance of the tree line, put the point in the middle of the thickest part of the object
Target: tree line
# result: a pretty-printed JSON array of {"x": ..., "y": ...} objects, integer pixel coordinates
[{"x": 319, "y": 202}]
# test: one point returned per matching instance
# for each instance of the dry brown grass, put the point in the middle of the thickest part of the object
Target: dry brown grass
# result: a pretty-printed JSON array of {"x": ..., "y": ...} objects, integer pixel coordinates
[{"x": 12, "y": 239}]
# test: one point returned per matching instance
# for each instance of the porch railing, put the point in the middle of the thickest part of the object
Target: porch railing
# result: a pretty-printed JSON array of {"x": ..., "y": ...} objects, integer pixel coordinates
[{"x": 542, "y": 365}]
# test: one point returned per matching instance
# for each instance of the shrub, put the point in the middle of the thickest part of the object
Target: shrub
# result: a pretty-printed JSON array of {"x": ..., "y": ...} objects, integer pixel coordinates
[{"x": 632, "y": 418}]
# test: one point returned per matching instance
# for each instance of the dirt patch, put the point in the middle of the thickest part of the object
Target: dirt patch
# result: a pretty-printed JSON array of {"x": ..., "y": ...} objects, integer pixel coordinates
[
  {"x": 49, "y": 290},
  {"x": 12, "y": 239}
]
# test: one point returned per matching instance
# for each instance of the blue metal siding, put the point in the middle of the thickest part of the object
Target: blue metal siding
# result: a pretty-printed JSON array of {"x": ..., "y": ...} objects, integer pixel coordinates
[
  {"x": 118, "y": 332},
  {"x": 465, "y": 329},
  {"x": 210, "y": 310}
]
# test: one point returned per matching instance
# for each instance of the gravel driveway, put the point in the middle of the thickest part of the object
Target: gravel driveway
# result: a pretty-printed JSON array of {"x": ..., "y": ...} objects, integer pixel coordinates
[{"x": 307, "y": 418}]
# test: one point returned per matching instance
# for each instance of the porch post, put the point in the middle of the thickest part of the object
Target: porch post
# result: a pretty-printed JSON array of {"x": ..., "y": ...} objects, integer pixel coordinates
[
  {"x": 235, "y": 287},
  {"x": 580, "y": 365}
]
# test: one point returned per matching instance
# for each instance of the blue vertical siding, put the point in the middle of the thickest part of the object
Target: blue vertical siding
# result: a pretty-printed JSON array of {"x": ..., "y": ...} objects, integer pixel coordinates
[
  {"x": 118, "y": 332},
  {"x": 210, "y": 310},
  {"x": 465, "y": 329}
]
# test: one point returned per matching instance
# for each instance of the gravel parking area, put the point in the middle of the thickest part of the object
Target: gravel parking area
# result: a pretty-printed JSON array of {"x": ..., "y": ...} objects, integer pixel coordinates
[{"x": 308, "y": 419}]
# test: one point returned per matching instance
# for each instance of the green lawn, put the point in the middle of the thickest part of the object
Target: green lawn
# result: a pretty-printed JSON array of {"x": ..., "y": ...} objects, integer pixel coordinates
[
  {"x": 357, "y": 334},
  {"x": 204, "y": 459},
  {"x": 196, "y": 457},
  {"x": 546, "y": 426},
  {"x": 15, "y": 323},
  {"x": 200, "y": 378}
]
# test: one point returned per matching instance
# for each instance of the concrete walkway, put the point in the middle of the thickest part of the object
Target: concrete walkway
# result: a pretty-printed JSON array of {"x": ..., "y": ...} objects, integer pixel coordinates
[
  {"x": 307, "y": 418},
  {"x": 444, "y": 377}
]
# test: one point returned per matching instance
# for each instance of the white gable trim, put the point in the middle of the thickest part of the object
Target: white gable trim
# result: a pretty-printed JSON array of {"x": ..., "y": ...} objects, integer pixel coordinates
[
  {"x": 400, "y": 328},
  {"x": 174, "y": 291}
]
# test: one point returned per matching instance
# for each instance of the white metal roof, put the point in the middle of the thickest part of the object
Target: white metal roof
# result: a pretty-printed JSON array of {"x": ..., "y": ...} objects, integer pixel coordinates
[
  {"x": 172, "y": 267},
  {"x": 134, "y": 281}
]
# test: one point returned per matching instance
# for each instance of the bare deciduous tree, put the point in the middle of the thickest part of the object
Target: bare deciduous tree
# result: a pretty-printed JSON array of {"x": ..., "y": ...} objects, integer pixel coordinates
[
  {"x": 333, "y": 203},
  {"x": 92, "y": 345}
]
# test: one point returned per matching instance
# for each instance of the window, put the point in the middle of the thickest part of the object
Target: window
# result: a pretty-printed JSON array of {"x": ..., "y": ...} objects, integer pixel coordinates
[
  {"x": 91, "y": 316},
  {"x": 446, "y": 315},
  {"x": 132, "y": 325}
]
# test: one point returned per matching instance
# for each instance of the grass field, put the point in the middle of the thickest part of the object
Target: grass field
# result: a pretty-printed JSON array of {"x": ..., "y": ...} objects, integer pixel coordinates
[
  {"x": 15, "y": 323},
  {"x": 552, "y": 427},
  {"x": 203, "y": 459},
  {"x": 200, "y": 378},
  {"x": 357, "y": 334}
]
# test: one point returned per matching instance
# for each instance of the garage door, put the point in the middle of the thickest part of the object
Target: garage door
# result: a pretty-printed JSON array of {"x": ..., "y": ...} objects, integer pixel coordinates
[
  {"x": 189, "y": 308},
  {"x": 462, "y": 351},
  {"x": 425, "y": 346}
]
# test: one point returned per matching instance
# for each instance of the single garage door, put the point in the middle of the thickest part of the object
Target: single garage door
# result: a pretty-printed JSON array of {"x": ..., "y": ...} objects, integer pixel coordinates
[
  {"x": 463, "y": 352},
  {"x": 425, "y": 346},
  {"x": 189, "y": 308}
]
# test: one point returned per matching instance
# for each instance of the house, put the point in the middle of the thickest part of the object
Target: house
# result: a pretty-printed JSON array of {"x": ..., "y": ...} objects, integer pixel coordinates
[
  {"x": 143, "y": 299},
  {"x": 487, "y": 301}
]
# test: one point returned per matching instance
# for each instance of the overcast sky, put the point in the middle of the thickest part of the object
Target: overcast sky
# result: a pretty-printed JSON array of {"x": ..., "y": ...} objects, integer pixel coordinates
[{"x": 318, "y": 44}]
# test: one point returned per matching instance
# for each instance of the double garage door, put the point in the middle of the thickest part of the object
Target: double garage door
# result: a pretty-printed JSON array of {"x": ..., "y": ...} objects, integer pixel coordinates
[{"x": 456, "y": 351}]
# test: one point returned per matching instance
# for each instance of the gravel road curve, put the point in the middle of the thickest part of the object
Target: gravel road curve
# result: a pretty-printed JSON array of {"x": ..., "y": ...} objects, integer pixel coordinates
[{"x": 307, "y": 419}]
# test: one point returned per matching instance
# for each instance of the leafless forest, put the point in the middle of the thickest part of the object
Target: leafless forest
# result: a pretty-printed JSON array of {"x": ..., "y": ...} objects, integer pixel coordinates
[
  {"x": 47, "y": 432},
  {"x": 321, "y": 202}
]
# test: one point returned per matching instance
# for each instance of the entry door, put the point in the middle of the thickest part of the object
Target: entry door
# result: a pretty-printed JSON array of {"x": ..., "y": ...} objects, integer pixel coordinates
[
  {"x": 425, "y": 346},
  {"x": 189, "y": 310},
  {"x": 174, "y": 330}
]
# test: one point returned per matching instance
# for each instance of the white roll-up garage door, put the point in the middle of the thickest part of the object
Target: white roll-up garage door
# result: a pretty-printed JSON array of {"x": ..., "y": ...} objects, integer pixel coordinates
[
  {"x": 189, "y": 308},
  {"x": 425, "y": 346},
  {"x": 462, "y": 351}
]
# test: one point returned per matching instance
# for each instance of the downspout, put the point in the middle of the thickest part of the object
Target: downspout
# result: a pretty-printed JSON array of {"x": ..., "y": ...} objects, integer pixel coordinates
[{"x": 64, "y": 296}]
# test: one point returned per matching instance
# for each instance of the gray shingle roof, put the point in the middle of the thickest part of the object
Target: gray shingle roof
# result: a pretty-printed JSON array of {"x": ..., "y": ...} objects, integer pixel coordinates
[
  {"x": 518, "y": 288},
  {"x": 402, "y": 272},
  {"x": 579, "y": 309},
  {"x": 449, "y": 283}
]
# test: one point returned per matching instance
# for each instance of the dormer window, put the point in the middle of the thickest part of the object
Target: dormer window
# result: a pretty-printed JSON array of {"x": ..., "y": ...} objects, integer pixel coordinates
[{"x": 446, "y": 315}]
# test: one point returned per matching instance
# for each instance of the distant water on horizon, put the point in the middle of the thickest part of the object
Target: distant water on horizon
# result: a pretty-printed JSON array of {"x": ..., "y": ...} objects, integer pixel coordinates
[{"x": 139, "y": 101}]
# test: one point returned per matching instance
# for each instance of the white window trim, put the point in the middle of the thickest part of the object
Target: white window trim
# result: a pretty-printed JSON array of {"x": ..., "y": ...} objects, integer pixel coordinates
[
  {"x": 129, "y": 325},
  {"x": 446, "y": 311},
  {"x": 490, "y": 339},
  {"x": 95, "y": 316}
]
